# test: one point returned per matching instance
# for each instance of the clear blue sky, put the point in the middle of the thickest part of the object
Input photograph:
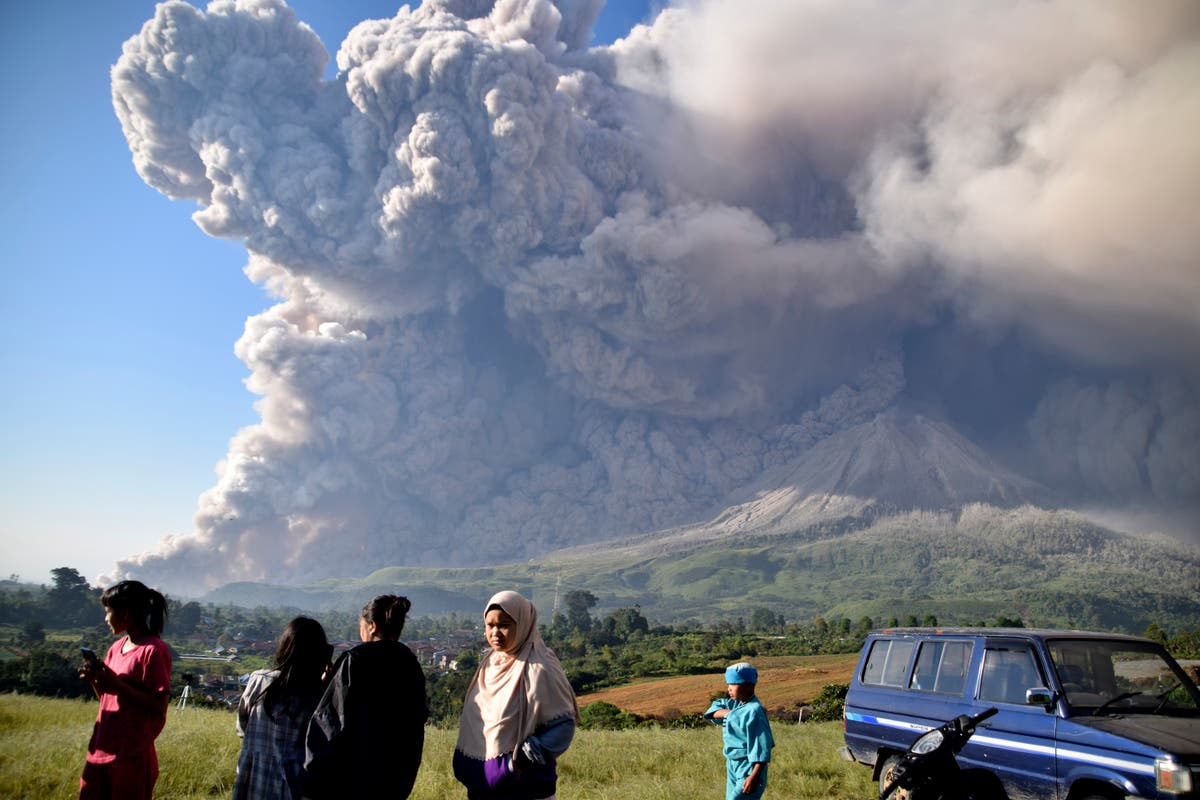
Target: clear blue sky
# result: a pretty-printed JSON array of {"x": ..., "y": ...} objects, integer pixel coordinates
[{"x": 121, "y": 388}]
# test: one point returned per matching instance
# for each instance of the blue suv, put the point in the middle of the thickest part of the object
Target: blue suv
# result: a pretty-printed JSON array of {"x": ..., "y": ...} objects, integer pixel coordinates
[{"x": 1083, "y": 716}]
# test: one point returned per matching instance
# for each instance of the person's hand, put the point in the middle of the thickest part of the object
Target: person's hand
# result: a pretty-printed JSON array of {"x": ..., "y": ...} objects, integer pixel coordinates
[
  {"x": 751, "y": 781},
  {"x": 521, "y": 761},
  {"x": 102, "y": 679}
]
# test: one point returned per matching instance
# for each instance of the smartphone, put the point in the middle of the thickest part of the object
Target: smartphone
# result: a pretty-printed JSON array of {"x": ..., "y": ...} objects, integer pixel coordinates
[{"x": 89, "y": 655}]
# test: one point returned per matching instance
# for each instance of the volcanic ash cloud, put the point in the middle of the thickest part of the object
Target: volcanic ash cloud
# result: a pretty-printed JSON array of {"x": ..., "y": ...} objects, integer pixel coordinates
[{"x": 532, "y": 294}]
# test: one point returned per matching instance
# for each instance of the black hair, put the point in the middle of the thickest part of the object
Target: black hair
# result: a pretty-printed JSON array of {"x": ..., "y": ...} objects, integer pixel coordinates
[
  {"x": 387, "y": 611},
  {"x": 147, "y": 606},
  {"x": 301, "y": 657}
]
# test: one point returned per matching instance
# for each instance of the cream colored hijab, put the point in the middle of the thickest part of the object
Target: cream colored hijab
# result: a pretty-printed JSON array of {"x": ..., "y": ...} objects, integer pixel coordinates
[{"x": 514, "y": 692}]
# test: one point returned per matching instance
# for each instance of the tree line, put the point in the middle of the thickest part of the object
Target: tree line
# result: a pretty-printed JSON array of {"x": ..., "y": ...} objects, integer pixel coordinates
[{"x": 597, "y": 651}]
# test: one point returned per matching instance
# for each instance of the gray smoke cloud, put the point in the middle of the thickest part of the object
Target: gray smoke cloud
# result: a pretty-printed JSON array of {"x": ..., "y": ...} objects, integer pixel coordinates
[
  {"x": 1127, "y": 442},
  {"x": 532, "y": 293}
]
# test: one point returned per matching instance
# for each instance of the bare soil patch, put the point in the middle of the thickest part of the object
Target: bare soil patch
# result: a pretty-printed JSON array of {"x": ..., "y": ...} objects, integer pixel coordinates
[{"x": 784, "y": 683}]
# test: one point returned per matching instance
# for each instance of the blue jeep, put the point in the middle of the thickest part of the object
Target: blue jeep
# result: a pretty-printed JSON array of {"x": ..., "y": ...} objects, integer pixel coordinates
[{"x": 1083, "y": 716}]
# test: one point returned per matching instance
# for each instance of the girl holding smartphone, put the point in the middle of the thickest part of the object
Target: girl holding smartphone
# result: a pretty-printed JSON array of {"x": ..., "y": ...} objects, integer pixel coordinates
[{"x": 133, "y": 685}]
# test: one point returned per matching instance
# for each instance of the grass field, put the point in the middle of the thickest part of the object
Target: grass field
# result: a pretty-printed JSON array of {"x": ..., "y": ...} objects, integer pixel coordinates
[
  {"x": 783, "y": 682},
  {"x": 43, "y": 742}
]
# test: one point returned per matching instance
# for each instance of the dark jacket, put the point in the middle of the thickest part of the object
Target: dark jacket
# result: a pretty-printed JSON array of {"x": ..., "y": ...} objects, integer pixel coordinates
[
  {"x": 366, "y": 736},
  {"x": 530, "y": 774}
]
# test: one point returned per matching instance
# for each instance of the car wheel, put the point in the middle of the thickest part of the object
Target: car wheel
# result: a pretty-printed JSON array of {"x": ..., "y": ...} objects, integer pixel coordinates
[{"x": 885, "y": 778}]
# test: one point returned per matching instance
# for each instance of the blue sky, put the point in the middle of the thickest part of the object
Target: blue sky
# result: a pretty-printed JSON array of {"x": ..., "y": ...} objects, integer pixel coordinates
[{"x": 122, "y": 388}]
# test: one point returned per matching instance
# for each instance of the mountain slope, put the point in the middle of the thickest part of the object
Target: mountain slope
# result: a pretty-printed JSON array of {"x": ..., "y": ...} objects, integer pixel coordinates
[
  {"x": 1053, "y": 568},
  {"x": 901, "y": 460},
  {"x": 900, "y": 515},
  {"x": 894, "y": 463}
]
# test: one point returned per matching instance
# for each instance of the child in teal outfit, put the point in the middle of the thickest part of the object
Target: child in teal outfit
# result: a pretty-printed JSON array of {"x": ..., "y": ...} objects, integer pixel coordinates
[{"x": 747, "y": 734}]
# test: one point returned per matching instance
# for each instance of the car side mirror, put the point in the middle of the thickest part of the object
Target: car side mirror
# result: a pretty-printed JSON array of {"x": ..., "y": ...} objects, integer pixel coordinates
[{"x": 1040, "y": 696}]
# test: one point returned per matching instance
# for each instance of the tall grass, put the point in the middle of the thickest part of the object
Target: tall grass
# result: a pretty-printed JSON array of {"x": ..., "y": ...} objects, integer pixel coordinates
[{"x": 43, "y": 742}]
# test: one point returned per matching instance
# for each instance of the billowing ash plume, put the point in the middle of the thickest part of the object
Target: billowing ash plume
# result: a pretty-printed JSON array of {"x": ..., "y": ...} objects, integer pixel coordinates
[{"x": 532, "y": 294}]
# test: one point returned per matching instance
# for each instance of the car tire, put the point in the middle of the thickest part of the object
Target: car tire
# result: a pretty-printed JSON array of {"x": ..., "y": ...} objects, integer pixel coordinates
[{"x": 885, "y": 777}]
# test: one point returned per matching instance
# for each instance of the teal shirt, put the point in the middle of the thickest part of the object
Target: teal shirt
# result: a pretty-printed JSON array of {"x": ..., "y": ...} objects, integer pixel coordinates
[
  {"x": 747, "y": 731},
  {"x": 748, "y": 741}
]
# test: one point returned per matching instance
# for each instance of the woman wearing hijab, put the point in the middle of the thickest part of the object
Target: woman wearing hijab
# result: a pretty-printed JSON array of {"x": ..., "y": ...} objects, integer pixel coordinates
[{"x": 520, "y": 712}]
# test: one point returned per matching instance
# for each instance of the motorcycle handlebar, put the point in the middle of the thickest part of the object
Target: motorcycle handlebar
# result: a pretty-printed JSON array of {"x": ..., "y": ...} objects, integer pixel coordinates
[{"x": 982, "y": 715}]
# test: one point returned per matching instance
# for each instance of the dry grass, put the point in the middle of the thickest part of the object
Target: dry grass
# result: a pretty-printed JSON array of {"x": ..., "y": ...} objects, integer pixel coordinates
[
  {"x": 784, "y": 682},
  {"x": 43, "y": 741}
]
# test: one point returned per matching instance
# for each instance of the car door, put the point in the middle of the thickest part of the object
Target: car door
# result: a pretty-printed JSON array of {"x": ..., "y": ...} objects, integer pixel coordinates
[{"x": 1017, "y": 744}]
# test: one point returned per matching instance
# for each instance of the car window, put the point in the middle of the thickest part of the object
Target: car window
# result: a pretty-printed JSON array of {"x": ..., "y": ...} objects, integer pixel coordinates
[
  {"x": 887, "y": 662},
  {"x": 1008, "y": 671},
  {"x": 941, "y": 667},
  {"x": 1124, "y": 676}
]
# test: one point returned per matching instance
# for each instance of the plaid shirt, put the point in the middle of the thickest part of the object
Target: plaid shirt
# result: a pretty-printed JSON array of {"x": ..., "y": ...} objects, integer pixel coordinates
[{"x": 272, "y": 757}]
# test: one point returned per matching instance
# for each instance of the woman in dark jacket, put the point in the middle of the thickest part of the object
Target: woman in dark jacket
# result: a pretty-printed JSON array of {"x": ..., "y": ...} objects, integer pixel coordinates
[{"x": 366, "y": 736}]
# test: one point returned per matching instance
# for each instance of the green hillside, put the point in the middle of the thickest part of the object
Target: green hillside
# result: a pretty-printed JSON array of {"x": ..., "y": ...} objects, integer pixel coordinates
[{"x": 1048, "y": 567}]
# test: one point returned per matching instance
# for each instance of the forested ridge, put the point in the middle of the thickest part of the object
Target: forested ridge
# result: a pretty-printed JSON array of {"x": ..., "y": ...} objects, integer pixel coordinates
[
  {"x": 42, "y": 627},
  {"x": 1052, "y": 568}
]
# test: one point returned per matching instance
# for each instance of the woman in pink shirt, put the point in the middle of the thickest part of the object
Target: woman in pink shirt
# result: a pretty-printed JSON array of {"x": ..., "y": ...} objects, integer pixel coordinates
[{"x": 134, "y": 688}]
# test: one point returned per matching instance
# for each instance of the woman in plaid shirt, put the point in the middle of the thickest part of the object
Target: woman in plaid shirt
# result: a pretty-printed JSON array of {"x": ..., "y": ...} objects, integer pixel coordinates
[{"x": 274, "y": 711}]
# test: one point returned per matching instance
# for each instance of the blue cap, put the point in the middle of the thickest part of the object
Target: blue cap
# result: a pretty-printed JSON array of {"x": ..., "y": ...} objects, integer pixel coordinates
[{"x": 741, "y": 672}]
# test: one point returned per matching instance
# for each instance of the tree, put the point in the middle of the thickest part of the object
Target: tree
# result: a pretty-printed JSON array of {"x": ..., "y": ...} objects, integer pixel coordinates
[
  {"x": 444, "y": 693},
  {"x": 762, "y": 620},
  {"x": 628, "y": 620},
  {"x": 606, "y": 716},
  {"x": 183, "y": 619},
  {"x": 467, "y": 661},
  {"x": 33, "y": 632},
  {"x": 71, "y": 601},
  {"x": 829, "y": 705},
  {"x": 579, "y": 604},
  {"x": 44, "y": 673}
]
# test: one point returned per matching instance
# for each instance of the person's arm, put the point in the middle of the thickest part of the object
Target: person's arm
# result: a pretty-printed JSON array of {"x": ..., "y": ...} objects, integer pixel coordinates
[
  {"x": 759, "y": 742},
  {"x": 86, "y": 673},
  {"x": 250, "y": 695},
  {"x": 718, "y": 711},
  {"x": 105, "y": 681},
  {"x": 408, "y": 760},
  {"x": 751, "y": 781},
  {"x": 324, "y": 734},
  {"x": 546, "y": 744}
]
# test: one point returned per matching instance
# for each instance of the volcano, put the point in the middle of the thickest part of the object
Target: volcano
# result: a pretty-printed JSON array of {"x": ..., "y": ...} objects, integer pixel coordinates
[{"x": 901, "y": 461}]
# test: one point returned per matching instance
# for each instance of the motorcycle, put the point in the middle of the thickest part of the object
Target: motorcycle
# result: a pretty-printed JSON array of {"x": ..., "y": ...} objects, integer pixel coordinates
[{"x": 929, "y": 771}]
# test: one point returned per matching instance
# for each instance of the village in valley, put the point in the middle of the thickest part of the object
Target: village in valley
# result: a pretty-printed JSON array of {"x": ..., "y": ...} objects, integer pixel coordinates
[{"x": 217, "y": 672}]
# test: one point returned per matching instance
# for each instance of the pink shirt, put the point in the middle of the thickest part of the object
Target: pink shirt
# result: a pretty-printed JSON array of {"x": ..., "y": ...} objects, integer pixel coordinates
[{"x": 123, "y": 728}]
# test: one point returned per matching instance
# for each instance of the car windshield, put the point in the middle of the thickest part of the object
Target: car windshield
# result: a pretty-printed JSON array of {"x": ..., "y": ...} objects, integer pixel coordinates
[{"x": 1100, "y": 676}]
